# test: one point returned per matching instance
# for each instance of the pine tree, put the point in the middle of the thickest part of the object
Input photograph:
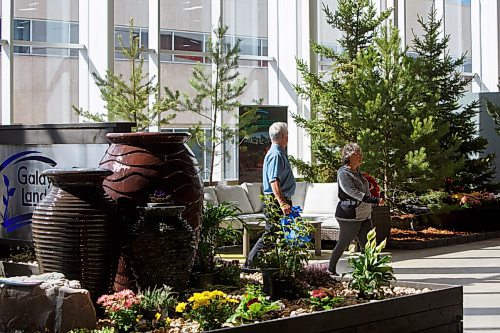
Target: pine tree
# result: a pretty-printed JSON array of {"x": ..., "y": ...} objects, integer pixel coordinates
[
  {"x": 128, "y": 99},
  {"x": 444, "y": 86},
  {"x": 216, "y": 99},
  {"x": 399, "y": 137},
  {"x": 328, "y": 128}
]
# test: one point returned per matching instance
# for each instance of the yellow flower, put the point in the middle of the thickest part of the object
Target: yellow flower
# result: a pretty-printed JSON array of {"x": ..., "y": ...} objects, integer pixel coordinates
[
  {"x": 181, "y": 307},
  {"x": 158, "y": 316},
  {"x": 167, "y": 321}
]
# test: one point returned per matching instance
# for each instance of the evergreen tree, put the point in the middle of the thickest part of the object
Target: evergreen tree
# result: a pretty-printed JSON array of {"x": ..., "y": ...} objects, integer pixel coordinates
[
  {"x": 128, "y": 99},
  {"x": 328, "y": 128},
  {"x": 216, "y": 99},
  {"x": 494, "y": 112},
  {"x": 444, "y": 86},
  {"x": 399, "y": 136}
]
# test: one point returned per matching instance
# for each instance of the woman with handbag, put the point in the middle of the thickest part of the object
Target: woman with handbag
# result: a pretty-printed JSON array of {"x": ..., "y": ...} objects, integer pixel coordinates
[{"x": 355, "y": 203}]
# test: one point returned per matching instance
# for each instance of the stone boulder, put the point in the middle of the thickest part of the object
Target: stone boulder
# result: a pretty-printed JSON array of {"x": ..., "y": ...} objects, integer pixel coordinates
[{"x": 44, "y": 302}]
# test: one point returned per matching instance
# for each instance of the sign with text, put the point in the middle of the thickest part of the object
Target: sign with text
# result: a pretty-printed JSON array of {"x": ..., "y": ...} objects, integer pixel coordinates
[
  {"x": 253, "y": 150},
  {"x": 22, "y": 185}
]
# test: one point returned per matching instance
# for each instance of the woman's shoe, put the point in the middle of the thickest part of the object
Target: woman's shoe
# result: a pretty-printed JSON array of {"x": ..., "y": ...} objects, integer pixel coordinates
[{"x": 334, "y": 275}]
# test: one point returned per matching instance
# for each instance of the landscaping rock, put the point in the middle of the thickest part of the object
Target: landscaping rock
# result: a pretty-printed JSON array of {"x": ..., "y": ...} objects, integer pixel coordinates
[{"x": 44, "y": 302}]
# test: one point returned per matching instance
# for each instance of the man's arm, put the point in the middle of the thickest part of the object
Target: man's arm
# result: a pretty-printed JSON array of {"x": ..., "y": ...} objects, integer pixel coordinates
[{"x": 285, "y": 207}]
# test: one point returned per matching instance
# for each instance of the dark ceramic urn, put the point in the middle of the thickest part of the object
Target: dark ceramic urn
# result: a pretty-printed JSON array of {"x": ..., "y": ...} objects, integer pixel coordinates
[
  {"x": 73, "y": 229},
  {"x": 145, "y": 163}
]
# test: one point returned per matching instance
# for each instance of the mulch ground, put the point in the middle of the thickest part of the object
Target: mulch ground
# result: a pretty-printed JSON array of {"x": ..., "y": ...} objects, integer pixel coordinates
[{"x": 424, "y": 234}]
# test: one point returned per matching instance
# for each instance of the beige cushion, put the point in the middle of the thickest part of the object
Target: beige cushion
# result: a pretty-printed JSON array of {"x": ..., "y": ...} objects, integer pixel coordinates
[
  {"x": 235, "y": 194},
  {"x": 254, "y": 190},
  {"x": 321, "y": 198},
  {"x": 209, "y": 195},
  {"x": 300, "y": 194}
]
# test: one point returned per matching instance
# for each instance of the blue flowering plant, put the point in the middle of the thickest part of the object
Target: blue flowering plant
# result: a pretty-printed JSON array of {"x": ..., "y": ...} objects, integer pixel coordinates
[{"x": 286, "y": 248}]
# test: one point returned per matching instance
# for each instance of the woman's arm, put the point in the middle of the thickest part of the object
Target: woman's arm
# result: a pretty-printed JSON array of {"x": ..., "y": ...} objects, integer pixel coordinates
[{"x": 348, "y": 185}]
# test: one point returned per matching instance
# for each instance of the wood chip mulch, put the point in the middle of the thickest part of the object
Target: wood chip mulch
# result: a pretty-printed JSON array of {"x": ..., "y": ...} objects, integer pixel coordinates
[{"x": 424, "y": 234}]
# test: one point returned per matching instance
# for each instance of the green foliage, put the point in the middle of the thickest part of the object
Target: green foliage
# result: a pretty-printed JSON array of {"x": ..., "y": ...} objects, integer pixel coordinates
[
  {"x": 494, "y": 111},
  {"x": 324, "y": 299},
  {"x": 105, "y": 329},
  {"x": 329, "y": 127},
  {"x": 210, "y": 309},
  {"x": 404, "y": 112},
  {"x": 371, "y": 270},
  {"x": 228, "y": 272},
  {"x": 288, "y": 254},
  {"x": 434, "y": 200},
  {"x": 398, "y": 136},
  {"x": 128, "y": 99},
  {"x": 443, "y": 87},
  {"x": 253, "y": 305},
  {"x": 216, "y": 229},
  {"x": 216, "y": 99},
  {"x": 158, "y": 299}
]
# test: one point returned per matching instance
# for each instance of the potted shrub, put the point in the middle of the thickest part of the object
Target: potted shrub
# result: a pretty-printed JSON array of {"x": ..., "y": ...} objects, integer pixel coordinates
[{"x": 285, "y": 253}]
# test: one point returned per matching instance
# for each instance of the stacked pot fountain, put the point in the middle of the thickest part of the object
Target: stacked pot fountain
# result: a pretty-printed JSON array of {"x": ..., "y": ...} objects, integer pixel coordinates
[{"x": 142, "y": 164}]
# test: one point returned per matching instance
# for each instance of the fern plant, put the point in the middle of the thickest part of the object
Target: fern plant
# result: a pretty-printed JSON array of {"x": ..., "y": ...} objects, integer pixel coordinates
[
  {"x": 371, "y": 270},
  {"x": 214, "y": 232}
]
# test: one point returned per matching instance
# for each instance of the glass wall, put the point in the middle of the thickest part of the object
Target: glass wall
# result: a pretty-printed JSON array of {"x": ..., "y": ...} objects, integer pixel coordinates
[
  {"x": 458, "y": 26},
  {"x": 45, "y": 77},
  {"x": 247, "y": 21}
]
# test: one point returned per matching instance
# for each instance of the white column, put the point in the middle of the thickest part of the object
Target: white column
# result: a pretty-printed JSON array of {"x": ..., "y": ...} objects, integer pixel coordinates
[
  {"x": 485, "y": 45},
  {"x": 7, "y": 61},
  {"x": 397, "y": 17},
  {"x": 440, "y": 14},
  {"x": 154, "y": 54},
  {"x": 96, "y": 32},
  {"x": 218, "y": 172},
  {"x": 288, "y": 37}
]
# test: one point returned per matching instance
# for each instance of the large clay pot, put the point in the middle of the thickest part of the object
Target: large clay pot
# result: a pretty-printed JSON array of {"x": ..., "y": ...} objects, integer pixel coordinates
[
  {"x": 143, "y": 163},
  {"x": 160, "y": 248},
  {"x": 73, "y": 229}
]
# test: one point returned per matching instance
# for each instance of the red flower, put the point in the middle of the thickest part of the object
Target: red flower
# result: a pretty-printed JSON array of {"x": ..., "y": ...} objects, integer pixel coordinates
[
  {"x": 374, "y": 188},
  {"x": 318, "y": 293}
]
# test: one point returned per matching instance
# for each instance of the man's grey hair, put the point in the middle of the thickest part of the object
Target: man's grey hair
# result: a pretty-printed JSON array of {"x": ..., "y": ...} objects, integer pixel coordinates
[
  {"x": 349, "y": 150},
  {"x": 277, "y": 130}
]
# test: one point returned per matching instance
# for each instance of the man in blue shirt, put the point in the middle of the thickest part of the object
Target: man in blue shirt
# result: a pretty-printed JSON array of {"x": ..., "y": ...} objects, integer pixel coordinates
[{"x": 277, "y": 180}]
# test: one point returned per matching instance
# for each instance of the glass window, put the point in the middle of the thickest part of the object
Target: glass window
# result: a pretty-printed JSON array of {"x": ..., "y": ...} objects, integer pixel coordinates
[
  {"x": 458, "y": 26},
  {"x": 188, "y": 41},
  {"x": 45, "y": 87},
  {"x": 74, "y": 37},
  {"x": 166, "y": 41},
  {"x": 22, "y": 31},
  {"x": 52, "y": 32},
  {"x": 123, "y": 33}
]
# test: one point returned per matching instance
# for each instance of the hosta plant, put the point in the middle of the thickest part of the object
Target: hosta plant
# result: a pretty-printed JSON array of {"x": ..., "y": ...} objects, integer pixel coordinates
[{"x": 371, "y": 269}]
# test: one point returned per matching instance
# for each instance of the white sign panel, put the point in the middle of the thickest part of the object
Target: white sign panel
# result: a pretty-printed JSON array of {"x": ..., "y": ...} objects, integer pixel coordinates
[{"x": 22, "y": 186}]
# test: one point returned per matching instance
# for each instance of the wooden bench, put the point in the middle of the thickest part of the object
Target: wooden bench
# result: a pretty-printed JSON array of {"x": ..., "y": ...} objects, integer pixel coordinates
[{"x": 260, "y": 225}]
